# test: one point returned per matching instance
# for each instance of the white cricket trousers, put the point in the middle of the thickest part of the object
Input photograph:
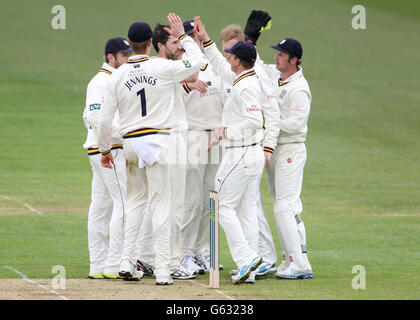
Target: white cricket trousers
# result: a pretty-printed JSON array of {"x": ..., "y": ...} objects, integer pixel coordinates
[
  {"x": 177, "y": 168},
  {"x": 178, "y": 173},
  {"x": 237, "y": 184},
  {"x": 201, "y": 171},
  {"x": 106, "y": 212},
  {"x": 266, "y": 247},
  {"x": 152, "y": 154},
  {"x": 137, "y": 202},
  {"x": 285, "y": 176}
]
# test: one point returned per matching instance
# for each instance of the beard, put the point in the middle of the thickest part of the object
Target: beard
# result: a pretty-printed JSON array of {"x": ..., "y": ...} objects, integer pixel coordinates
[{"x": 173, "y": 55}]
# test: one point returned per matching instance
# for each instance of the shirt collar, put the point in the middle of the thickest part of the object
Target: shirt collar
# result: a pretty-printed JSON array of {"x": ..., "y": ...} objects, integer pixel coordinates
[
  {"x": 293, "y": 77},
  {"x": 107, "y": 67},
  {"x": 137, "y": 57},
  {"x": 244, "y": 74}
]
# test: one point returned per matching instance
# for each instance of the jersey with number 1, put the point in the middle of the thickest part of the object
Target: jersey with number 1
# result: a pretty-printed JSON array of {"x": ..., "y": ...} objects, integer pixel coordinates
[{"x": 143, "y": 91}]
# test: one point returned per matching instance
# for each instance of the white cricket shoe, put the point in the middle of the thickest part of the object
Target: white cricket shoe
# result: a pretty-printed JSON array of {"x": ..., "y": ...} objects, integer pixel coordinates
[
  {"x": 233, "y": 272},
  {"x": 245, "y": 270},
  {"x": 265, "y": 268},
  {"x": 202, "y": 262},
  {"x": 251, "y": 277},
  {"x": 164, "y": 280},
  {"x": 294, "y": 272},
  {"x": 129, "y": 272},
  {"x": 181, "y": 273},
  {"x": 283, "y": 265},
  {"x": 147, "y": 269},
  {"x": 308, "y": 265},
  {"x": 188, "y": 263}
]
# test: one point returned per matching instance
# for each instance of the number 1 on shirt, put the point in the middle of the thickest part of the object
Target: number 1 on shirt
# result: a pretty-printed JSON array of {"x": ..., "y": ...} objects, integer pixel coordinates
[{"x": 142, "y": 95}]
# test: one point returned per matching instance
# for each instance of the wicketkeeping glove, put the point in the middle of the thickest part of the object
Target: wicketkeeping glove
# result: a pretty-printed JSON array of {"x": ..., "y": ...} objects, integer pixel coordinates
[{"x": 258, "y": 21}]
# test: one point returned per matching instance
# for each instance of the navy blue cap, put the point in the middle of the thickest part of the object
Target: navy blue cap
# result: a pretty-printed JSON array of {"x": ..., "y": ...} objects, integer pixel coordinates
[
  {"x": 139, "y": 32},
  {"x": 189, "y": 27},
  {"x": 117, "y": 44},
  {"x": 290, "y": 45},
  {"x": 244, "y": 51}
]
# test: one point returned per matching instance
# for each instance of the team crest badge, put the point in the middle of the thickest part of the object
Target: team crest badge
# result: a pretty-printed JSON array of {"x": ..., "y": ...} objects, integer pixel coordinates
[{"x": 283, "y": 93}]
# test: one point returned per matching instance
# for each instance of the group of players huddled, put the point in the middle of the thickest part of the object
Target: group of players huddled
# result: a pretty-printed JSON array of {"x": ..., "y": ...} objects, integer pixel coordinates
[{"x": 165, "y": 130}]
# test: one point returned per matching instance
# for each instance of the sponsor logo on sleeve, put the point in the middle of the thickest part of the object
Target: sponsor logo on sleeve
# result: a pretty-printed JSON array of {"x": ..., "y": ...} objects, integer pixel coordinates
[
  {"x": 186, "y": 63},
  {"x": 95, "y": 106}
]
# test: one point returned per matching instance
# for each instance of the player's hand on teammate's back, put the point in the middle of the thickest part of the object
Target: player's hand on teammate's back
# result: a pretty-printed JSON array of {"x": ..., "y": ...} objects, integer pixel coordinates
[
  {"x": 199, "y": 85},
  {"x": 107, "y": 160}
]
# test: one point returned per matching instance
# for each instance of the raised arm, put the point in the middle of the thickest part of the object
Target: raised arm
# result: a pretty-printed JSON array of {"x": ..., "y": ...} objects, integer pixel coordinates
[
  {"x": 182, "y": 69},
  {"x": 217, "y": 60}
]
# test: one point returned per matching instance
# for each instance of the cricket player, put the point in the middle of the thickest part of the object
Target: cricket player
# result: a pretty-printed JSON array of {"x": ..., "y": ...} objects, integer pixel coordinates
[
  {"x": 142, "y": 91},
  {"x": 106, "y": 211},
  {"x": 168, "y": 47},
  {"x": 243, "y": 159},
  {"x": 204, "y": 107},
  {"x": 231, "y": 35},
  {"x": 285, "y": 172}
]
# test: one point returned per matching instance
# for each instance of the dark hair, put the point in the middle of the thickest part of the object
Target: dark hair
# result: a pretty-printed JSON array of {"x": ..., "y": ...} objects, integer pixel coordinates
[
  {"x": 160, "y": 35},
  {"x": 113, "y": 53},
  {"x": 298, "y": 61}
]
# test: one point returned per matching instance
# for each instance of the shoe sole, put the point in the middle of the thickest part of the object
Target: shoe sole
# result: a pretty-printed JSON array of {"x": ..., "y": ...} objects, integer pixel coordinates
[
  {"x": 249, "y": 282},
  {"x": 184, "y": 278},
  {"x": 164, "y": 283},
  {"x": 112, "y": 278},
  {"x": 245, "y": 275},
  {"x": 296, "y": 277},
  {"x": 126, "y": 276}
]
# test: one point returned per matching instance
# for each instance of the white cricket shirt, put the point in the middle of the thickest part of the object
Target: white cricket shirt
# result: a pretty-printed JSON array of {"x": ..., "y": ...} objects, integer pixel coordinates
[
  {"x": 204, "y": 110},
  {"x": 242, "y": 114},
  {"x": 294, "y": 97},
  {"x": 143, "y": 92},
  {"x": 94, "y": 99}
]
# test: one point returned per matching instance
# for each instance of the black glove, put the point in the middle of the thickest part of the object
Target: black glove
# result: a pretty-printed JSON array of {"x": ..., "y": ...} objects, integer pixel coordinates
[{"x": 257, "y": 21}]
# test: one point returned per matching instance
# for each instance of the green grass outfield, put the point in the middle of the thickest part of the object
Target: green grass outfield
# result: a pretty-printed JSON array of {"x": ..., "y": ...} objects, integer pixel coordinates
[{"x": 361, "y": 191}]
